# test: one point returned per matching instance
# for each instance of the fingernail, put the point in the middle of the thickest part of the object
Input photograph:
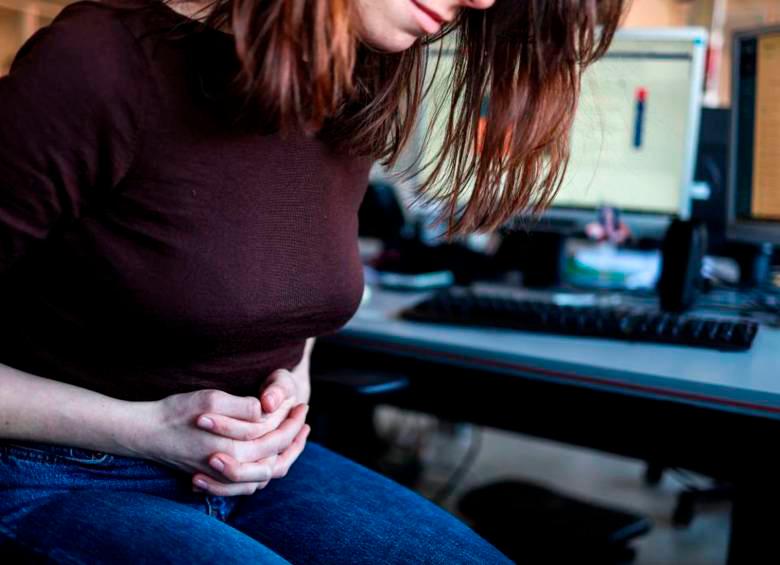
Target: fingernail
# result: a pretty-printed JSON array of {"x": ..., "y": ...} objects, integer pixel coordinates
[
  {"x": 200, "y": 483},
  {"x": 205, "y": 422},
  {"x": 217, "y": 464},
  {"x": 271, "y": 397}
]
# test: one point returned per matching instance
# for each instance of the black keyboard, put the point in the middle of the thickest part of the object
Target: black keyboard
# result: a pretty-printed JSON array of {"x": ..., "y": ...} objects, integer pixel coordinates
[{"x": 467, "y": 307}]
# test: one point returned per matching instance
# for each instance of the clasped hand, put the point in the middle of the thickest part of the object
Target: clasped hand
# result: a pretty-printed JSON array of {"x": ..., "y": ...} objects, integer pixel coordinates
[
  {"x": 276, "y": 434},
  {"x": 233, "y": 445}
]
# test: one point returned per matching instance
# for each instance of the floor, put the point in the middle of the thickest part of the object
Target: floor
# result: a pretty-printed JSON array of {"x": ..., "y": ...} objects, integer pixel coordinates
[{"x": 581, "y": 473}]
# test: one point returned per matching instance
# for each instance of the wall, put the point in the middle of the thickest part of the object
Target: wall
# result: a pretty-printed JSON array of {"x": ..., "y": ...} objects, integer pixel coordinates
[
  {"x": 657, "y": 13},
  {"x": 18, "y": 20}
]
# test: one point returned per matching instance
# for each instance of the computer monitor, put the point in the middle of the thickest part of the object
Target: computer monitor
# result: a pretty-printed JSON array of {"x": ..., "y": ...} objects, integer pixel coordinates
[
  {"x": 754, "y": 179},
  {"x": 635, "y": 134}
]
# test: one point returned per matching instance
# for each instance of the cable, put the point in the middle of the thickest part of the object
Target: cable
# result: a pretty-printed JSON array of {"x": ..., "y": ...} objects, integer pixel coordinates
[{"x": 460, "y": 471}]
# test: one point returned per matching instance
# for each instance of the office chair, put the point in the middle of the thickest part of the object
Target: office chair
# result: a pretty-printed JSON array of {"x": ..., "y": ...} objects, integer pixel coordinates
[{"x": 531, "y": 523}]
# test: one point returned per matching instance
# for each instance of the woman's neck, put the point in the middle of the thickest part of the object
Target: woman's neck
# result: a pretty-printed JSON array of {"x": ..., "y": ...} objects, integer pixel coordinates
[{"x": 193, "y": 9}]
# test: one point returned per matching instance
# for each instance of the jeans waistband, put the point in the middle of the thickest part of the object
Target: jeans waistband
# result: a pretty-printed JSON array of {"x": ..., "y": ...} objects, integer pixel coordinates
[{"x": 53, "y": 449}]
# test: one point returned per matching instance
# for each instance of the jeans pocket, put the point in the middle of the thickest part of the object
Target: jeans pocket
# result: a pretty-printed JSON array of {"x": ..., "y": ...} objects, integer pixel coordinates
[{"x": 51, "y": 453}]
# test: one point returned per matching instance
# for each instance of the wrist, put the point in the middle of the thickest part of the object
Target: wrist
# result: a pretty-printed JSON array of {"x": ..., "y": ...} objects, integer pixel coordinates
[{"x": 134, "y": 422}]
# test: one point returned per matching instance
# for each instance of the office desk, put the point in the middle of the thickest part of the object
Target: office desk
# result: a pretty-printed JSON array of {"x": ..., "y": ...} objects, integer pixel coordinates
[{"x": 704, "y": 410}]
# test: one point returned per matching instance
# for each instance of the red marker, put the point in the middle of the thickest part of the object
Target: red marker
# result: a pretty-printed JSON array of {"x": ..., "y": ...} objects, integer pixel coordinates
[{"x": 639, "y": 123}]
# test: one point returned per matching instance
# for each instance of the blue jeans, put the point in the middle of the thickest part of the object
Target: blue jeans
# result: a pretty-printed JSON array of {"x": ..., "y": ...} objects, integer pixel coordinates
[{"x": 75, "y": 506}]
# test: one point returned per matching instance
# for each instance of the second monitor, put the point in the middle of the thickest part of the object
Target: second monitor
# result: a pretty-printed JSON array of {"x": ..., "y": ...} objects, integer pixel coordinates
[{"x": 755, "y": 142}]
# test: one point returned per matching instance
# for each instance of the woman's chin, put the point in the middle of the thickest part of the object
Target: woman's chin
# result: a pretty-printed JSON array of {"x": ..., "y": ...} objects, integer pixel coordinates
[{"x": 389, "y": 43}]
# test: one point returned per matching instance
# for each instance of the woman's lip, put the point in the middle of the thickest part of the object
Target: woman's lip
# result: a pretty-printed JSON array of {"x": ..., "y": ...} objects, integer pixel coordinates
[
  {"x": 429, "y": 20},
  {"x": 430, "y": 12}
]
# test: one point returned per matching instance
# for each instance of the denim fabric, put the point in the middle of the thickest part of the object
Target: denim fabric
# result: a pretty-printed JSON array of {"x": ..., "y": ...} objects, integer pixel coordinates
[{"x": 76, "y": 506}]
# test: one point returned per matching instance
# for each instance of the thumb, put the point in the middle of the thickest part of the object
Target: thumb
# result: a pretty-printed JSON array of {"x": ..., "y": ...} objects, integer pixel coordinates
[{"x": 279, "y": 387}]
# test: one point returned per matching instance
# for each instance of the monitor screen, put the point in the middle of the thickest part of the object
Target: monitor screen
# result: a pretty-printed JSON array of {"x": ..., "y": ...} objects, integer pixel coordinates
[
  {"x": 634, "y": 137},
  {"x": 755, "y": 155}
]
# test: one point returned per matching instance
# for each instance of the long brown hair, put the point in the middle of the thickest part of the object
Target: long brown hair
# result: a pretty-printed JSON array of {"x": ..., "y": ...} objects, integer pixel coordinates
[{"x": 302, "y": 61}]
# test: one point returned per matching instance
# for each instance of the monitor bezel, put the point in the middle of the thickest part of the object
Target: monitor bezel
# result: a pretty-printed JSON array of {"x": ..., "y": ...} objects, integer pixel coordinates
[{"x": 758, "y": 231}]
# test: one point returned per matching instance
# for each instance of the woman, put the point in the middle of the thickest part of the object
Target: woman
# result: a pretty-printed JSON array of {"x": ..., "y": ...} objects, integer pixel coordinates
[{"x": 178, "y": 195}]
